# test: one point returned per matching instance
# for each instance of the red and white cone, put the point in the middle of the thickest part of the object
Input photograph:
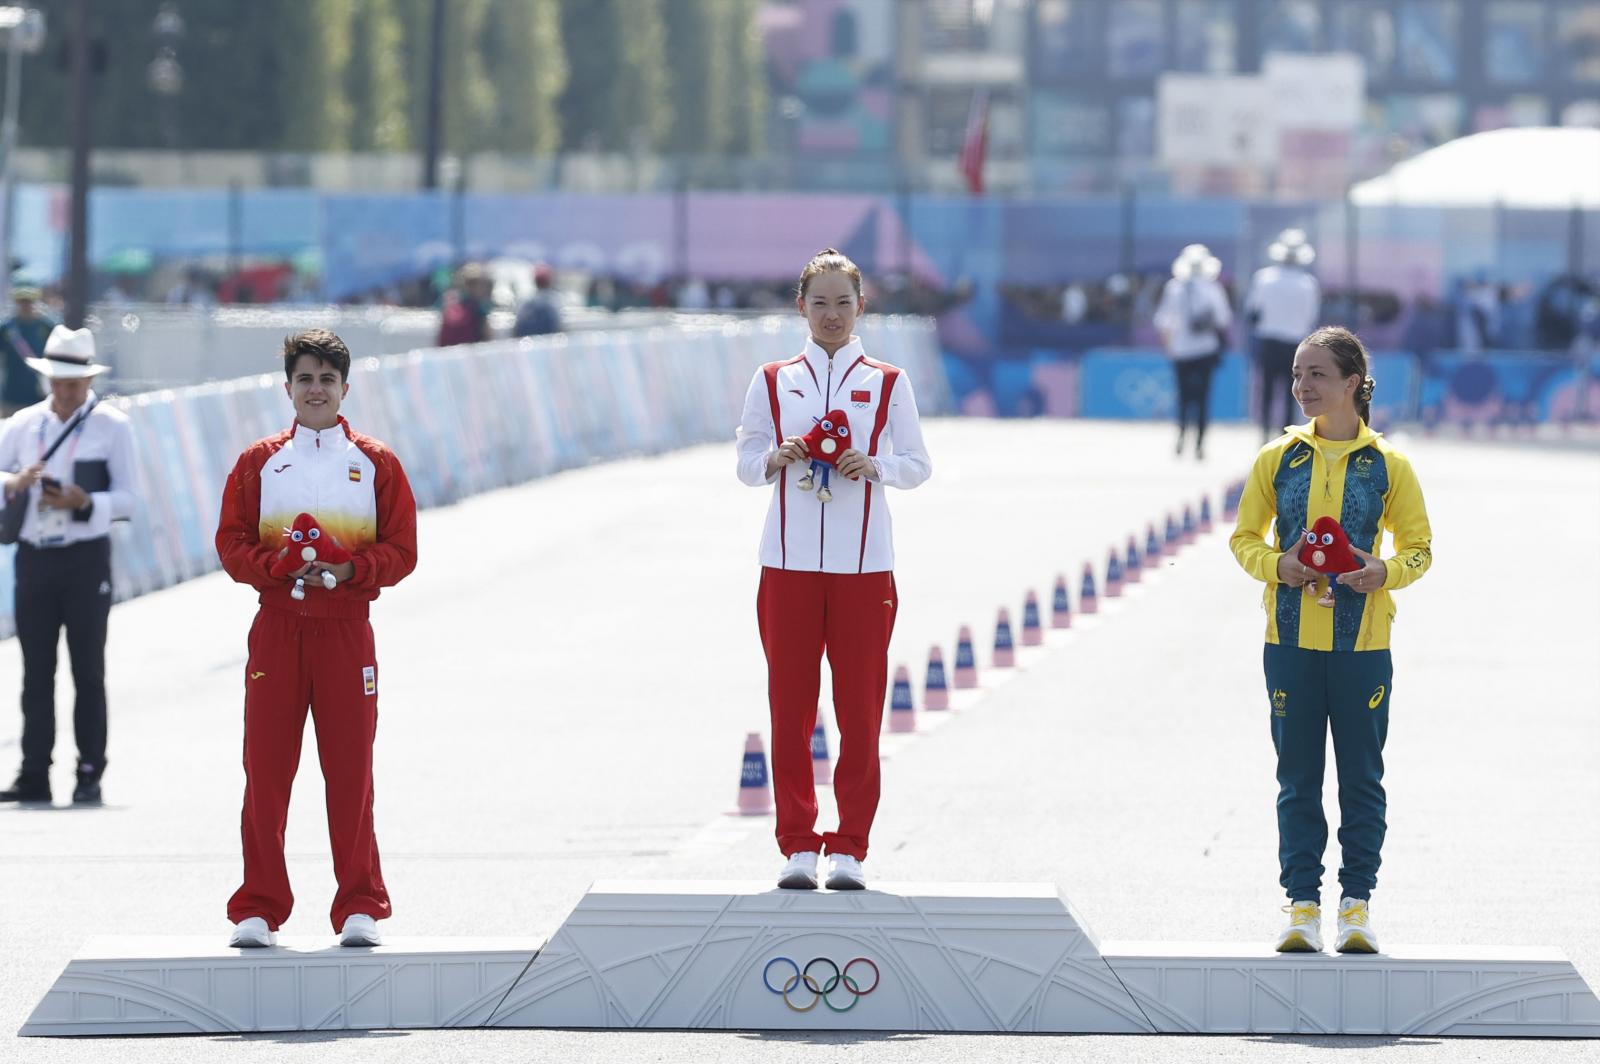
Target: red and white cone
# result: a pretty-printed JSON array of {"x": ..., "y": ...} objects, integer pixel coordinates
[
  {"x": 966, "y": 662},
  {"x": 1032, "y": 630},
  {"x": 821, "y": 765},
  {"x": 935, "y": 692},
  {"x": 902, "y": 710},
  {"x": 1005, "y": 651},
  {"x": 755, "y": 787},
  {"x": 1060, "y": 608}
]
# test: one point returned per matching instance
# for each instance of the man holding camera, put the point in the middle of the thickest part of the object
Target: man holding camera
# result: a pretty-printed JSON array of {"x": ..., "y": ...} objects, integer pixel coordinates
[{"x": 70, "y": 469}]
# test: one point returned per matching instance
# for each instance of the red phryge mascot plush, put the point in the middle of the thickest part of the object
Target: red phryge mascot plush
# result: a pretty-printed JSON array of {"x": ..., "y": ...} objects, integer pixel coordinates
[
  {"x": 305, "y": 541},
  {"x": 1327, "y": 550},
  {"x": 827, "y": 440}
]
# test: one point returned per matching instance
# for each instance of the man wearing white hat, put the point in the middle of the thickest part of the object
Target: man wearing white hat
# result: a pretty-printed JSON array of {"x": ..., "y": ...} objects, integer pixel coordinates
[
  {"x": 1282, "y": 307},
  {"x": 63, "y": 563}
]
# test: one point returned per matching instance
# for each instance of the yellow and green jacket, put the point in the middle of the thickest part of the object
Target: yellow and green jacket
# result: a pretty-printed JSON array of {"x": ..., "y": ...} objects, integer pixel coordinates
[{"x": 1364, "y": 484}]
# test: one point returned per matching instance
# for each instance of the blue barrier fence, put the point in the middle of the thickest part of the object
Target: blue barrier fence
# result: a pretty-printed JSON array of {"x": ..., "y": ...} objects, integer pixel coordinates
[
  {"x": 468, "y": 419},
  {"x": 1442, "y": 388}
]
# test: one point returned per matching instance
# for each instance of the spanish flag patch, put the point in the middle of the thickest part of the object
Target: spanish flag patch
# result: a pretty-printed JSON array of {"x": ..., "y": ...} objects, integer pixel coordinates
[{"x": 355, "y": 472}]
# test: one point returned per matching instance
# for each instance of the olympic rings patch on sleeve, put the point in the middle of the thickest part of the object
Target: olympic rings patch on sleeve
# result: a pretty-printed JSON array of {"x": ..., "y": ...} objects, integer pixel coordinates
[{"x": 801, "y": 982}]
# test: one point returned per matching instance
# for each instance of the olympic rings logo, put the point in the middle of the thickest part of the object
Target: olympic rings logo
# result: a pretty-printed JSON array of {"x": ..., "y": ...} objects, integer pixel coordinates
[{"x": 820, "y": 991}]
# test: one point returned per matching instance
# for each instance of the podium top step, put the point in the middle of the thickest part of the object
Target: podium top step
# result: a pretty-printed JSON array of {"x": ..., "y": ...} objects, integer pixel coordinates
[
  {"x": 702, "y": 887},
  {"x": 1244, "y": 951},
  {"x": 298, "y": 947}
]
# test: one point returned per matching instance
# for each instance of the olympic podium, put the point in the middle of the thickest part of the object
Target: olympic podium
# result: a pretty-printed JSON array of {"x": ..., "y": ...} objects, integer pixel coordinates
[{"x": 742, "y": 956}]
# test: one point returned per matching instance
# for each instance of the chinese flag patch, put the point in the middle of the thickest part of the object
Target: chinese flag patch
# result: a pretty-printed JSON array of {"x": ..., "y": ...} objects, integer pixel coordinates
[{"x": 860, "y": 396}]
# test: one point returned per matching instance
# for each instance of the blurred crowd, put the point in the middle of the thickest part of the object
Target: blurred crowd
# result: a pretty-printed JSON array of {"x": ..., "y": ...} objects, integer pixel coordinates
[{"x": 1476, "y": 314}]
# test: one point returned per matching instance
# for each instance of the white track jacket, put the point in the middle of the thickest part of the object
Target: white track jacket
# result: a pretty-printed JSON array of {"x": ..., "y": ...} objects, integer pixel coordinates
[{"x": 853, "y": 533}]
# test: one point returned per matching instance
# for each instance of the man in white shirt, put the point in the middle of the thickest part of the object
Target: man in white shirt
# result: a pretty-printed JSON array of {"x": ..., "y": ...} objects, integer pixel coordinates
[
  {"x": 63, "y": 563},
  {"x": 1282, "y": 308},
  {"x": 1193, "y": 318}
]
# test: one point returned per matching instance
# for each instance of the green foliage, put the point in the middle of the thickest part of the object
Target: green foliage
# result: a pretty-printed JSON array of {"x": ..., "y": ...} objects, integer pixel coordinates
[
  {"x": 520, "y": 76},
  {"x": 617, "y": 94}
]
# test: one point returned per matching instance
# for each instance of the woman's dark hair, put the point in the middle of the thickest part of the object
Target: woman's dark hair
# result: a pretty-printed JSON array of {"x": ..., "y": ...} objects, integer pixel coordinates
[
  {"x": 322, "y": 345},
  {"x": 829, "y": 260},
  {"x": 1350, "y": 355}
]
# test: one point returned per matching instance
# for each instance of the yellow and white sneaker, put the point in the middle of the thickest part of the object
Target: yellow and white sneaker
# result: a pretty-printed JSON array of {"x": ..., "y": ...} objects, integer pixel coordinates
[
  {"x": 1304, "y": 933},
  {"x": 1355, "y": 928}
]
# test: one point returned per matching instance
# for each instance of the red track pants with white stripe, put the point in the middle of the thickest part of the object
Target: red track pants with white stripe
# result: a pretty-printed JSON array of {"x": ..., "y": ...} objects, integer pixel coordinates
[
  {"x": 320, "y": 663},
  {"x": 852, "y": 616}
]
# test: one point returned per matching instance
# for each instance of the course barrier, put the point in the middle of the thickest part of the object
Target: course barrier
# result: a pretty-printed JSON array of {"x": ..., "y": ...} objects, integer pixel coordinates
[{"x": 469, "y": 419}]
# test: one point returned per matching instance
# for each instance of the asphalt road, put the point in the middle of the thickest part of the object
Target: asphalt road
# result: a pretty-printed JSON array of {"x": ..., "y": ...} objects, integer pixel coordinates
[{"x": 568, "y": 677}]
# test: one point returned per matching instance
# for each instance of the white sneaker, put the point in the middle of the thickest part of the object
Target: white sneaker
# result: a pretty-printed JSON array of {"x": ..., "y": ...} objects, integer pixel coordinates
[
  {"x": 360, "y": 930},
  {"x": 251, "y": 933},
  {"x": 824, "y": 494},
  {"x": 1304, "y": 933},
  {"x": 1355, "y": 930},
  {"x": 845, "y": 873},
  {"x": 805, "y": 483},
  {"x": 800, "y": 873}
]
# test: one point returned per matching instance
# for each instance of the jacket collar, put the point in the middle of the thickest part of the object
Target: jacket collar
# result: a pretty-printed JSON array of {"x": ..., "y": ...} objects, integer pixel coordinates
[
  {"x": 842, "y": 358},
  {"x": 303, "y": 434},
  {"x": 1307, "y": 433}
]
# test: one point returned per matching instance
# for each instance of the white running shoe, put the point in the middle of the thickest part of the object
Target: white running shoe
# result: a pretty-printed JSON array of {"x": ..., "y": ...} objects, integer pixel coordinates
[
  {"x": 824, "y": 494},
  {"x": 845, "y": 873},
  {"x": 251, "y": 933},
  {"x": 360, "y": 930},
  {"x": 805, "y": 483},
  {"x": 800, "y": 873},
  {"x": 1304, "y": 933},
  {"x": 1355, "y": 929}
]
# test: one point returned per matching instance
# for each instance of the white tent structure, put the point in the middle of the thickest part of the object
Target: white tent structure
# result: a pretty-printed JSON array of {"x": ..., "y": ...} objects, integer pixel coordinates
[{"x": 1544, "y": 167}]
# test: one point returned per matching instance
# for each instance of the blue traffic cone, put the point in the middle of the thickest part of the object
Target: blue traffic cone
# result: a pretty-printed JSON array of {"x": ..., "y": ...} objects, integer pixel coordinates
[
  {"x": 966, "y": 664},
  {"x": 1205, "y": 513},
  {"x": 1060, "y": 608},
  {"x": 1131, "y": 568},
  {"x": 902, "y": 711},
  {"x": 1113, "y": 575},
  {"x": 1171, "y": 541},
  {"x": 755, "y": 791},
  {"x": 935, "y": 695},
  {"x": 1152, "y": 546},
  {"x": 1230, "y": 500},
  {"x": 1087, "y": 602},
  {"x": 1005, "y": 652},
  {"x": 1190, "y": 532},
  {"x": 1032, "y": 630},
  {"x": 821, "y": 766}
]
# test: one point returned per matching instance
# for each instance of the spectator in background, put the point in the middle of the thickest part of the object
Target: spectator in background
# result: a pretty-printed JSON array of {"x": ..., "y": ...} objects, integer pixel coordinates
[
  {"x": 1281, "y": 307},
  {"x": 464, "y": 317},
  {"x": 21, "y": 338},
  {"x": 63, "y": 559},
  {"x": 540, "y": 313},
  {"x": 1193, "y": 318}
]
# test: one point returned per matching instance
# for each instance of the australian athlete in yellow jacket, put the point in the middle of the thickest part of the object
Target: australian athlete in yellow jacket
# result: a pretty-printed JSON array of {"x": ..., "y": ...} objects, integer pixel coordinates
[{"x": 1368, "y": 487}]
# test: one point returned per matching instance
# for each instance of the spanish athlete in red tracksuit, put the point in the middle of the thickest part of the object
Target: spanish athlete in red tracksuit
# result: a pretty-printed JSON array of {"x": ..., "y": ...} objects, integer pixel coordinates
[
  {"x": 827, "y": 578},
  {"x": 316, "y": 652}
]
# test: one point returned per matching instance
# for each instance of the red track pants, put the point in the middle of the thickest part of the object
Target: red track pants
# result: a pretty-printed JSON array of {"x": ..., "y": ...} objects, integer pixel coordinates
[
  {"x": 328, "y": 665},
  {"x": 852, "y": 616}
]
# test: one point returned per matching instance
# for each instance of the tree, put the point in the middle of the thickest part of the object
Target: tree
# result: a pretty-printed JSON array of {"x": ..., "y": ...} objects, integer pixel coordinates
[
  {"x": 748, "y": 88},
  {"x": 312, "y": 38},
  {"x": 527, "y": 65},
  {"x": 375, "y": 80},
  {"x": 698, "y": 39},
  {"x": 616, "y": 97}
]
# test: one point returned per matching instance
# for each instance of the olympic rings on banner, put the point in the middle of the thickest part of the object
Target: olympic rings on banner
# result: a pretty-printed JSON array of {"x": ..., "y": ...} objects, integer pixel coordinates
[{"x": 820, "y": 991}]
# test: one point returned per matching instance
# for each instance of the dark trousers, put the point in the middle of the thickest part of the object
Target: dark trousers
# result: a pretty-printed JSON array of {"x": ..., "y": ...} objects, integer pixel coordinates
[
  {"x": 1194, "y": 392},
  {"x": 59, "y": 586},
  {"x": 1312, "y": 693},
  {"x": 1275, "y": 361}
]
